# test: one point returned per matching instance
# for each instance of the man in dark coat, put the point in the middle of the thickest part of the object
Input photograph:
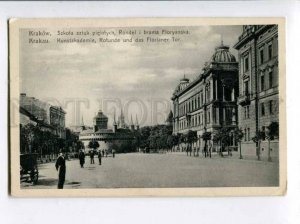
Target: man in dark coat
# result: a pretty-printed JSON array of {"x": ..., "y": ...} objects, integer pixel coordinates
[
  {"x": 81, "y": 157},
  {"x": 60, "y": 166},
  {"x": 92, "y": 156},
  {"x": 99, "y": 157}
]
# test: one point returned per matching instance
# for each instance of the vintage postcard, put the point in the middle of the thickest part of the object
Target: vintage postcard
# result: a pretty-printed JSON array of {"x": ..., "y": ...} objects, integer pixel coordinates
[{"x": 147, "y": 107}]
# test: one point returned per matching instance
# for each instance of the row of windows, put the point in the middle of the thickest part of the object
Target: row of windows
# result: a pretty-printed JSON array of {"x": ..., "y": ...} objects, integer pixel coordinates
[
  {"x": 197, "y": 101},
  {"x": 195, "y": 120},
  {"x": 193, "y": 103},
  {"x": 265, "y": 53},
  {"x": 267, "y": 81},
  {"x": 198, "y": 119},
  {"x": 263, "y": 83},
  {"x": 270, "y": 106},
  {"x": 247, "y": 134}
]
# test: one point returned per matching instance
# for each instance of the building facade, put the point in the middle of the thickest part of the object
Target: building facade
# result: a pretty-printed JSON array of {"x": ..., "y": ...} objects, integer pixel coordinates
[
  {"x": 258, "y": 101},
  {"x": 120, "y": 136},
  {"x": 57, "y": 120},
  {"x": 36, "y": 107},
  {"x": 45, "y": 113},
  {"x": 209, "y": 102},
  {"x": 100, "y": 121}
]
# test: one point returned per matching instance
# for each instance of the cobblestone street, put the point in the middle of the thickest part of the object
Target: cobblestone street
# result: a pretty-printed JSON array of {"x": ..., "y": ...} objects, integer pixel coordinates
[{"x": 161, "y": 170}]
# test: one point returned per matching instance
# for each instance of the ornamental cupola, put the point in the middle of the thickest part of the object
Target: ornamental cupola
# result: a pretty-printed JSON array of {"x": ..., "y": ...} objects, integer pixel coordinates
[{"x": 222, "y": 55}]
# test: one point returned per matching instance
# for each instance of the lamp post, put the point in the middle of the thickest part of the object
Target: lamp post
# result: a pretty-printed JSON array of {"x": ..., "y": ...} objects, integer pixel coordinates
[
  {"x": 238, "y": 136},
  {"x": 269, "y": 141}
]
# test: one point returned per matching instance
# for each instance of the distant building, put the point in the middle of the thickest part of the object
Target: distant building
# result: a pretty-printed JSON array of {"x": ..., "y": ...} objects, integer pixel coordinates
[
  {"x": 36, "y": 107},
  {"x": 258, "y": 82},
  {"x": 208, "y": 103},
  {"x": 49, "y": 115},
  {"x": 26, "y": 118},
  {"x": 100, "y": 121},
  {"x": 109, "y": 138},
  {"x": 77, "y": 129},
  {"x": 57, "y": 119}
]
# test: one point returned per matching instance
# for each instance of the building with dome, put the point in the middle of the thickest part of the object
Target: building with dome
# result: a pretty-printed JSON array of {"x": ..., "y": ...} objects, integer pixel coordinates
[
  {"x": 209, "y": 102},
  {"x": 120, "y": 136}
]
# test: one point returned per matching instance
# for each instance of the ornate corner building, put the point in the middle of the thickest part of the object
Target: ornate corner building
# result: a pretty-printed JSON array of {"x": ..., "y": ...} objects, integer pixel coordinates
[
  {"x": 210, "y": 101},
  {"x": 258, "y": 102},
  {"x": 234, "y": 93}
]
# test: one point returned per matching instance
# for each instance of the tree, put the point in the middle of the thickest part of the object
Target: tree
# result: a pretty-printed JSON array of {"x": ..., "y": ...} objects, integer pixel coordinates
[
  {"x": 172, "y": 141},
  {"x": 222, "y": 137},
  {"x": 144, "y": 137},
  {"x": 272, "y": 133},
  {"x": 191, "y": 137},
  {"x": 93, "y": 144},
  {"x": 217, "y": 139},
  {"x": 238, "y": 135},
  {"x": 79, "y": 145},
  {"x": 175, "y": 141},
  {"x": 125, "y": 146},
  {"x": 25, "y": 139},
  {"x": 259, "y": 136},
  {"x": 206, "y": 137}
]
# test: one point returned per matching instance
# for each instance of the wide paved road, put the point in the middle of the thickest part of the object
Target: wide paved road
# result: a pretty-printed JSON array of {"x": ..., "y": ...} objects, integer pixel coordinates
[{"x": 161, "y": 170}]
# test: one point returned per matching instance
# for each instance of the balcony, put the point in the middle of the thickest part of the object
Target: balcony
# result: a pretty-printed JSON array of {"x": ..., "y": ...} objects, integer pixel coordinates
[{"x": 244, "y": 99}]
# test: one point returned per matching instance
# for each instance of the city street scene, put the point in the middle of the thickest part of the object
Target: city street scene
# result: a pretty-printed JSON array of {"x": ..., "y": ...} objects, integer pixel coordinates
[{"x": 149, "y": 107}]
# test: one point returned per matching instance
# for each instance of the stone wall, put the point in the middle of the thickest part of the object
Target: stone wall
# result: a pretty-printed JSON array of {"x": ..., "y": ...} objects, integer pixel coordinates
[{"x": 249, "y": 149}]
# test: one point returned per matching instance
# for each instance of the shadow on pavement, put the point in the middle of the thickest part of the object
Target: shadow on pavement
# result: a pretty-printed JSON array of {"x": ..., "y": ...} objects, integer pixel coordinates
[
  {"x": 73, "y": 182},
  {"x": 47, "y": 182}
]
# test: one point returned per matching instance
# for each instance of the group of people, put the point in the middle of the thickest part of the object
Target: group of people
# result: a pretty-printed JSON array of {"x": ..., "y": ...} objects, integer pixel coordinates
[
  {"x": 92, "y": 154},
  {"x": 206, "y": 151},
  {"x": 60, "y": 164}
]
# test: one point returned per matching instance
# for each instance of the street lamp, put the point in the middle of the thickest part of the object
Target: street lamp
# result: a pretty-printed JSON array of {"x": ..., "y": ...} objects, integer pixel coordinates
[{"x": 269, "y": 141}]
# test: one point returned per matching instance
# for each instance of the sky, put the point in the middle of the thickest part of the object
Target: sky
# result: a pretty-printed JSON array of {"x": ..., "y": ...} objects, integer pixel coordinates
[{"x": 137, "y": 77}]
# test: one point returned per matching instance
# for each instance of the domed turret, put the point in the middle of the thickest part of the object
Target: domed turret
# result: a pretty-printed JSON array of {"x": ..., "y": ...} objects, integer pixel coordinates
[
  {"x": 184, "y": 80},
  {"x": 222, "y": 55},
  {"x": 183, "y": 83}
]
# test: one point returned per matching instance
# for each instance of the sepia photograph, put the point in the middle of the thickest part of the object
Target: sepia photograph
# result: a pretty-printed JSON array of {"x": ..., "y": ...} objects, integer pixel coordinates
[{"x": 147, "y": 107}]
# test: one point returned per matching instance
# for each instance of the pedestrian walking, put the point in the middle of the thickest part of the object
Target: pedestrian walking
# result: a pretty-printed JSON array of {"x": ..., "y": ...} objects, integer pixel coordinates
[
  {"x": 99, "y": 157},
  {"x": 60, "y": 166},
  {"x": 113, "y": 152},
  {"x": 92, "y": 156},
  {"x": 81, "y": 157}
]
